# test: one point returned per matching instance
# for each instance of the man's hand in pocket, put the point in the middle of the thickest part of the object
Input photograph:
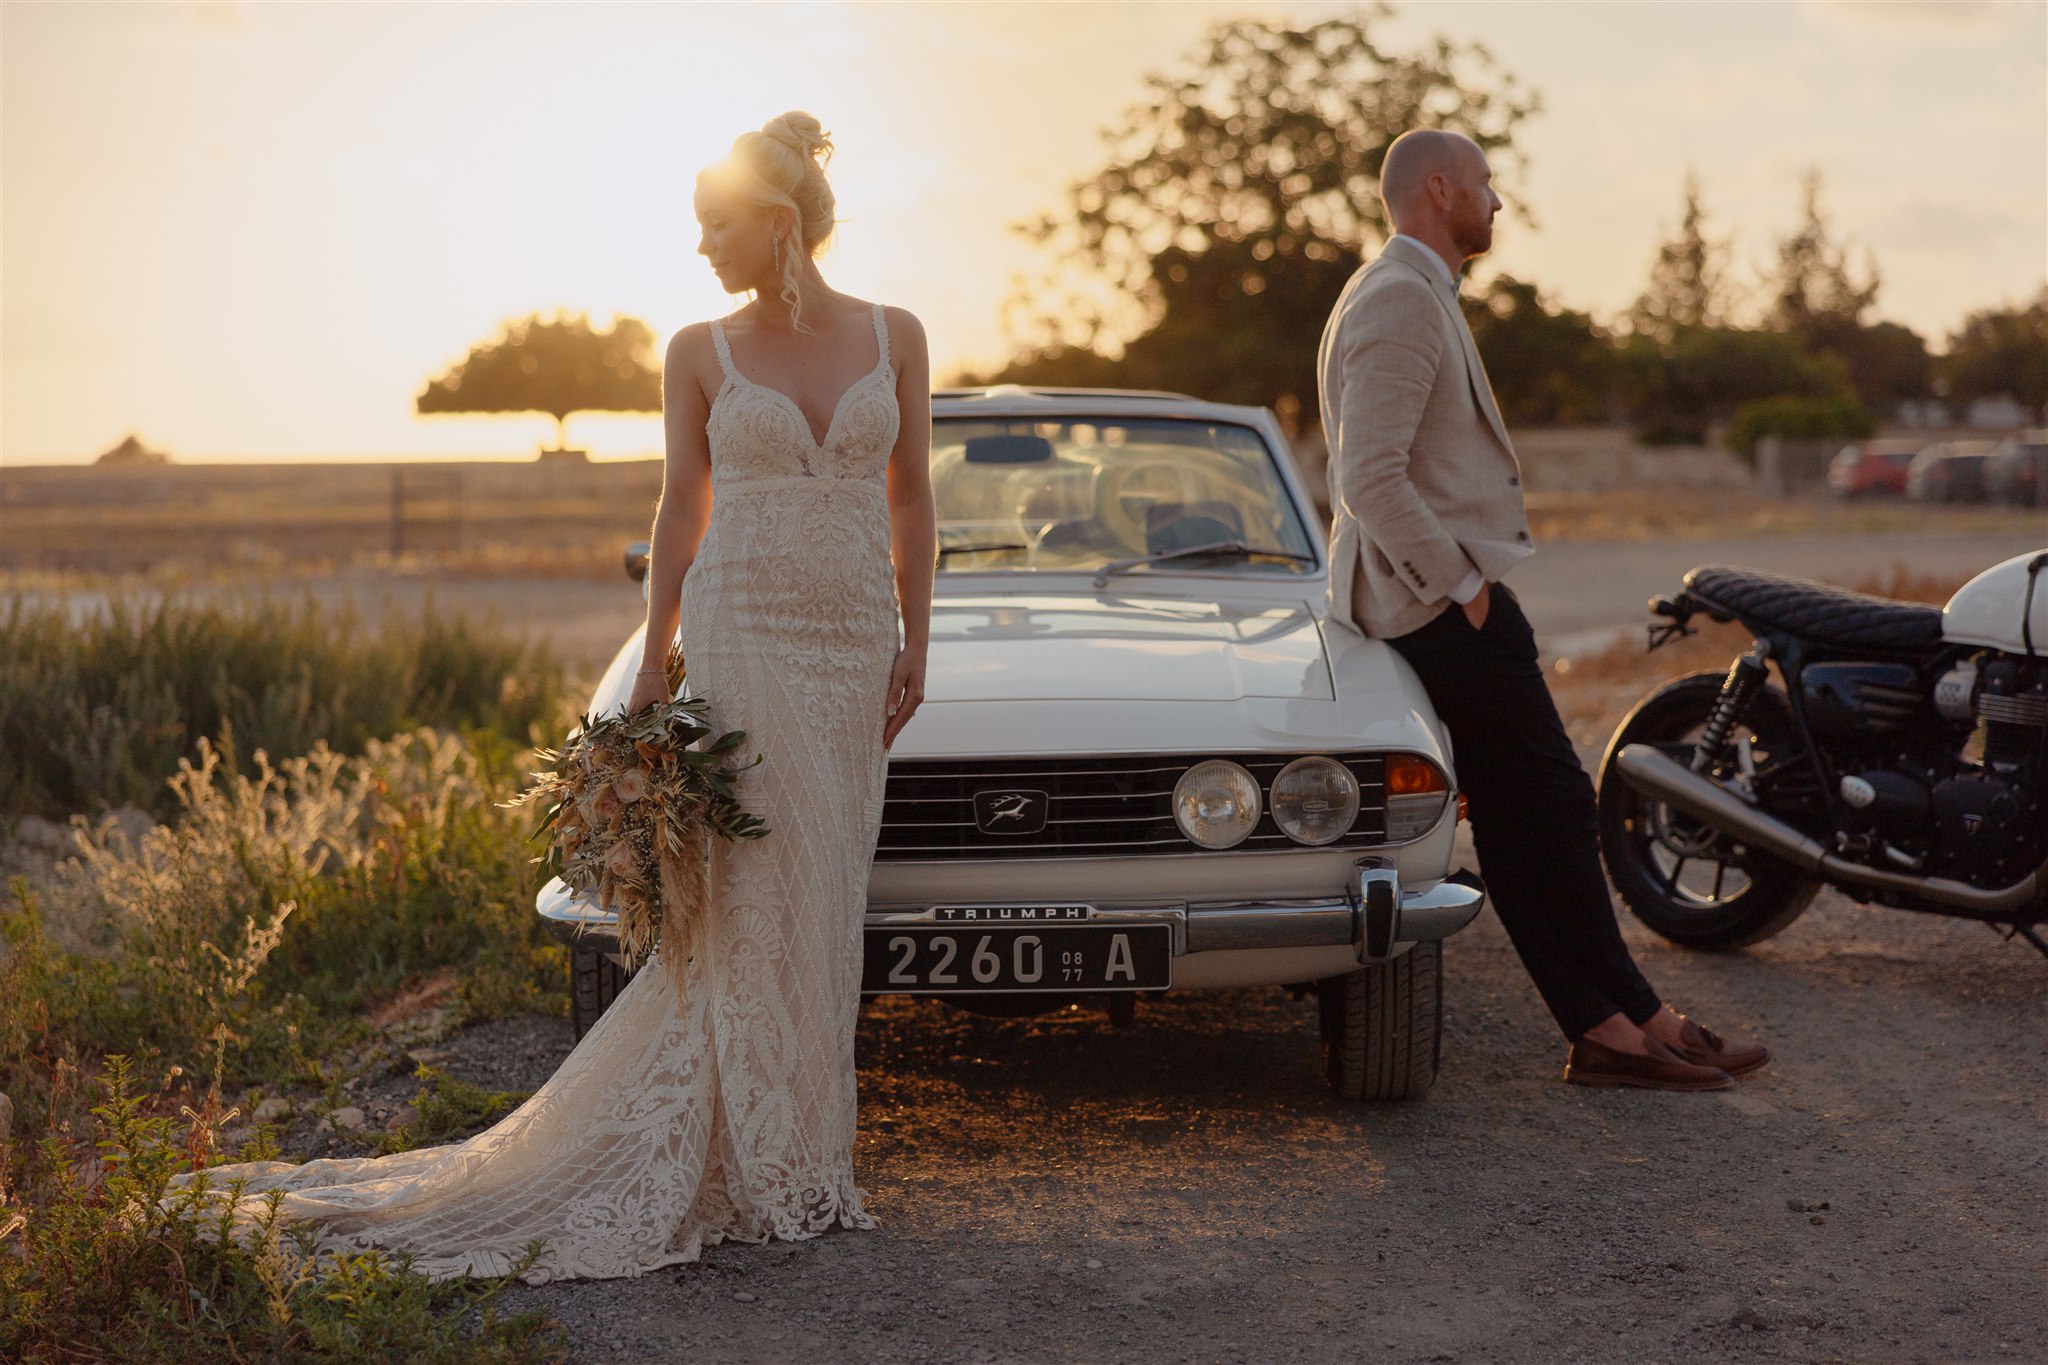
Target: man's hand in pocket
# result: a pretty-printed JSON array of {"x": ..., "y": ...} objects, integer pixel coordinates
[{"x": 1481, "y": 603}]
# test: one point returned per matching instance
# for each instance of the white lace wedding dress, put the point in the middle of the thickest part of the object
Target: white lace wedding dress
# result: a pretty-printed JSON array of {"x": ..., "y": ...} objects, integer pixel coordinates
[{"x": 725, "y": 1111}]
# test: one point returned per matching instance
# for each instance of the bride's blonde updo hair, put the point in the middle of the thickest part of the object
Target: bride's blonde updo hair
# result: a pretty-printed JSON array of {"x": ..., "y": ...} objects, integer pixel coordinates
[{"x": 784, "y": 165}]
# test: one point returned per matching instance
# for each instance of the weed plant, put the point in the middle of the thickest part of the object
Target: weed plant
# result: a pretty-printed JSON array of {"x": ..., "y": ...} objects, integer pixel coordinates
[
  {"x": 282, "y": 899},
  {"x": 120, "y": 1264},
  {"x": 260, "y": 923},
  {"x": 97, "y": 707},
  {"x": 446, "y": 1108}
]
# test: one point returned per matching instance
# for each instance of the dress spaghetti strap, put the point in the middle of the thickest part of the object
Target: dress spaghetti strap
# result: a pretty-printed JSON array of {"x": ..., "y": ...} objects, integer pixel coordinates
[
  {"x": 882, "y": 339},
  {"x": 724, "y": 351}
]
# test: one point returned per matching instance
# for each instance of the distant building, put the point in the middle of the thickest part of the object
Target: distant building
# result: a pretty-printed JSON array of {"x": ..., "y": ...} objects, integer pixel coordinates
[
  {"x": 132, "y": 453},
  {"x": 1998, "y": 412}
]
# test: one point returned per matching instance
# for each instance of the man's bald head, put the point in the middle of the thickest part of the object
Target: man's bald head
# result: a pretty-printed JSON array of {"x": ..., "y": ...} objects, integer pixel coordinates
[{"x": 1437, "y": 186}]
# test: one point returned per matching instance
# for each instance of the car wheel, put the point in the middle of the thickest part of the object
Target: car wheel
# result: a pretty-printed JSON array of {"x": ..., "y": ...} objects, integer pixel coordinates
[
  {"x": 594, "y": 982},
  {"x": 1383, "y": 1027}
]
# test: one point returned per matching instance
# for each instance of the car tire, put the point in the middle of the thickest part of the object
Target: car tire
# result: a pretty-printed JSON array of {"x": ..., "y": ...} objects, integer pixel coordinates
[
  {"x": 1383, "y": 1027},
  {"x": 594, "y": 982}
]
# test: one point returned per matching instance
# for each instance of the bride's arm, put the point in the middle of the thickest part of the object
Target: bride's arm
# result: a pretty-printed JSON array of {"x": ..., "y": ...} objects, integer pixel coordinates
[
  {"x": 685, "y": 507},
  {"x": 913, "y": 529}
]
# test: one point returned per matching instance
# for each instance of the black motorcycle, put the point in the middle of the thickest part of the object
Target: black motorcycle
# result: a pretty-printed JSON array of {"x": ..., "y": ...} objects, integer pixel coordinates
[{"x": 1901, "y": 756}]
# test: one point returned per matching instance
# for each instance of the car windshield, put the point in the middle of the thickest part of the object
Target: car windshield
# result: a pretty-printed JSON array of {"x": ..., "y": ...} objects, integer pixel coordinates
[{"x": 1022, "y": 494}]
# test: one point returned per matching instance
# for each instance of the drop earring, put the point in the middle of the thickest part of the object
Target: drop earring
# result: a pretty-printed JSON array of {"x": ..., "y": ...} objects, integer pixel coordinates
[{"x": 776, "y": 243}]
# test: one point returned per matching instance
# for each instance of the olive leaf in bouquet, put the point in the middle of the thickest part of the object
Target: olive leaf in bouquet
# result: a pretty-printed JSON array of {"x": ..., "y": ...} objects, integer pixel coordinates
[{"x": 627, "y": 806}]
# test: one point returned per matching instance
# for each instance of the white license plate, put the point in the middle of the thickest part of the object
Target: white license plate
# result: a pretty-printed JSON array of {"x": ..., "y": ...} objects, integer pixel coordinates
[{"x": 970, "y": 958}]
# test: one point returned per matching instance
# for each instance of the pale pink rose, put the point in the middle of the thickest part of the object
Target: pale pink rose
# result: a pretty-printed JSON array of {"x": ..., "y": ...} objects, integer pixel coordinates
[
  {"x": 607, "y": 804},
  {"x": 621, "y": 860},
  {"x": 631, "y": 785}
]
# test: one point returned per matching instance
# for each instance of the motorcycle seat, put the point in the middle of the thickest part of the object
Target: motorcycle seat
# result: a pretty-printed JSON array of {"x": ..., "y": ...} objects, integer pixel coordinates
[{"x": 1817, "y": 612}]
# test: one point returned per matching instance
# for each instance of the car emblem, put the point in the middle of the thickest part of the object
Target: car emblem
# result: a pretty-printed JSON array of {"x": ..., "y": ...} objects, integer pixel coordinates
[{"x": 1009, "y": 812}]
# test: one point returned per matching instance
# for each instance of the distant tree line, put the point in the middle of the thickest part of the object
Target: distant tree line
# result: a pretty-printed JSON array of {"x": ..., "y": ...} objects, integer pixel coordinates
[{"x": 1241, "y": 193}]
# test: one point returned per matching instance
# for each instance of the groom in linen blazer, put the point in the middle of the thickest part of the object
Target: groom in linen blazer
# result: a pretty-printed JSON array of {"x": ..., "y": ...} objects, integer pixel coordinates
[
  {"x": 1425, "y": 493},
  {"x": 1428, "y": 518}
]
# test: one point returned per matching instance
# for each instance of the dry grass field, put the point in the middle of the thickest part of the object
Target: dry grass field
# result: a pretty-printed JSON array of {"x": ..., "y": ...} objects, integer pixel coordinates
[
  {"x": 569, "y": 518},
  {"x": 548, "y": 517}
]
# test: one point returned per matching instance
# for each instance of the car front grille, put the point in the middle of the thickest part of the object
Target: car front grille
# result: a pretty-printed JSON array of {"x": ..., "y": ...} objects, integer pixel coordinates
[{"x": 1095, "y": 807}]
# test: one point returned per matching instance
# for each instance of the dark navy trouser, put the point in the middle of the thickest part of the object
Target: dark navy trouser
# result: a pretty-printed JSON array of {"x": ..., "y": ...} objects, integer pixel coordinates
[{"x": 1534, "y": 823}]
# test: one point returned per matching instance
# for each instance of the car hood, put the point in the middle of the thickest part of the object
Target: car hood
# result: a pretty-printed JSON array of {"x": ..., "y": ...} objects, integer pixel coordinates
[{"x": 1051, "y": 648}]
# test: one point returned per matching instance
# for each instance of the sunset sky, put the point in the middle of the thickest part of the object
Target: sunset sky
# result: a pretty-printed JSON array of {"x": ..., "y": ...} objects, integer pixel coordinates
[{"x": 253, "y": 231}]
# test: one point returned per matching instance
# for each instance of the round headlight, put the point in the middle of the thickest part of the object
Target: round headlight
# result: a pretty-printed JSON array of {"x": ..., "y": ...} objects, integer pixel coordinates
[
  {"x": 1216, "y": 803},
  {"x": 1315, "y": 800}
]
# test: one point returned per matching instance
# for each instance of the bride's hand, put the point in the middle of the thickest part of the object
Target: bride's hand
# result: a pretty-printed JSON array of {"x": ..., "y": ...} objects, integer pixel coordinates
[
  {"x": 649, "y": 689},
  {"x": 906, "y": 690}
]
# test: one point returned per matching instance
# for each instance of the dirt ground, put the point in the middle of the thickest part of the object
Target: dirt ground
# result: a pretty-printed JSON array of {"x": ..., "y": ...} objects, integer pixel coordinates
[{"x": 1186, "y": 1190}]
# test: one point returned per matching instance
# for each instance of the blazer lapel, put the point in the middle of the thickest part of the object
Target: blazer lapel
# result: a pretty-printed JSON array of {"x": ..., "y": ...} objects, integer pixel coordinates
[
  {"x": 1447, "y": 294},
  {"x": 1474, "y": 366}
]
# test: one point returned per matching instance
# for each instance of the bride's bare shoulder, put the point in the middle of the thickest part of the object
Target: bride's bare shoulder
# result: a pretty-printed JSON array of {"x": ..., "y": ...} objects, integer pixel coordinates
[
  {"x": 692, "y": 341},
  {"x": 691, "y": 351}
]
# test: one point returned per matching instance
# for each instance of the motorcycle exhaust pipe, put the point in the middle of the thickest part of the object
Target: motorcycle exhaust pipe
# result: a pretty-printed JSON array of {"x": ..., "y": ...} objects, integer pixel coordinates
[{"x": 1659, "y": 777}]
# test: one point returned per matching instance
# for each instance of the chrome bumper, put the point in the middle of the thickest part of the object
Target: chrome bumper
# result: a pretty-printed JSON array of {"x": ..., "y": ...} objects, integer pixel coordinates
[{"x": 1374, "y": 916}]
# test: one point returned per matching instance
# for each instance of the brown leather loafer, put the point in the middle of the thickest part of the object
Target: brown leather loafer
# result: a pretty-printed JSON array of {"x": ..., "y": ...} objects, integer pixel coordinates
[
  {"x": 1703, "y": 1047},
  {"x": 1594, "y": 1063}
]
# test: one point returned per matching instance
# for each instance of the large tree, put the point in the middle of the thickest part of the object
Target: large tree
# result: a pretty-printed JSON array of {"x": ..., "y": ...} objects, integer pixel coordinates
[
  {"x": 1547, "y": 365},
  {"x": 1689, "y": 284},
  {"x": 2003, "y": 351},
  {"x": 559, "y": 365},
  {"x": 1815, "y": 293},
  {"x": 1237, "y": 198}
]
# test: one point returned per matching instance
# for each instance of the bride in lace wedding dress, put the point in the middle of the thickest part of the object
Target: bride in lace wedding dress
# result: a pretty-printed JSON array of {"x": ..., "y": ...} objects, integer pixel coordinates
[{"x": 724, "y": 1107}]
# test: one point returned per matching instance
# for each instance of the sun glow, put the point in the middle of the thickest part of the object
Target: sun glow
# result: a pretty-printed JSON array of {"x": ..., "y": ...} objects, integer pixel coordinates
[{"x": 256, "y": 231}]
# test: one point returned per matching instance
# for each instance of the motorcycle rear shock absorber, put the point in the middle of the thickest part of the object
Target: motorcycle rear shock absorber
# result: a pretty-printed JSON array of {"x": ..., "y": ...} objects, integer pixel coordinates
[{"x": 1745, "y": 676}]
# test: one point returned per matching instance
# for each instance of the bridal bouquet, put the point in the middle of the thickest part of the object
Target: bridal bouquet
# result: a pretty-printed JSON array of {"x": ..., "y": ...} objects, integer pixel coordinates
[{"x": 627, "y": 805}]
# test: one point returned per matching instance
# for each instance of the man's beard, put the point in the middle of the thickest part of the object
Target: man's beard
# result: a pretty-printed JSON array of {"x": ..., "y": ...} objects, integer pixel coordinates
[{"x": 1475, "y": 239}]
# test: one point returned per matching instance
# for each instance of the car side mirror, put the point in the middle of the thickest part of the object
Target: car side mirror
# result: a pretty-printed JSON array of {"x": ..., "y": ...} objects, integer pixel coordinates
[{"x": 637, "y": 555}]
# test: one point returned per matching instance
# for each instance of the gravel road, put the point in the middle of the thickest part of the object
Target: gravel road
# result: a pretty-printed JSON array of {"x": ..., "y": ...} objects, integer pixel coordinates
[
  {"x": 1056, "y": 1189},
  {"x": 1575, "y": 591}
]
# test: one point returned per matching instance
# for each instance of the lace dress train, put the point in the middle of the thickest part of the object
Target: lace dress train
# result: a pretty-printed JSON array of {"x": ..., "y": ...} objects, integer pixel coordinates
[{"x": 724, "y": 1109}]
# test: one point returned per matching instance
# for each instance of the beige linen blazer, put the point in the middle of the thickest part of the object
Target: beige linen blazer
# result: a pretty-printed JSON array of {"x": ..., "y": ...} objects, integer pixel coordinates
[{"x": 1424, "y": 486}]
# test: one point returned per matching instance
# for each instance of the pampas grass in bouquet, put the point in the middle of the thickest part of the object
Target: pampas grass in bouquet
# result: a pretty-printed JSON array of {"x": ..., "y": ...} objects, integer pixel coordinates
[{"x": 628, "y": 805}]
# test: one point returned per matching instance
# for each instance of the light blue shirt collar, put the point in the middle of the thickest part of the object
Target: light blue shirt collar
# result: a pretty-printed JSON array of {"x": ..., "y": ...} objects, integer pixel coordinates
[{"x": 1443, "y": 267}]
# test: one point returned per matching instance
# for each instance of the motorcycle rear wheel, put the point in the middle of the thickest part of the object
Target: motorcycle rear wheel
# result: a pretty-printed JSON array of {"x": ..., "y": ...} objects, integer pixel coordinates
[{"x": 1687, "y": 881}]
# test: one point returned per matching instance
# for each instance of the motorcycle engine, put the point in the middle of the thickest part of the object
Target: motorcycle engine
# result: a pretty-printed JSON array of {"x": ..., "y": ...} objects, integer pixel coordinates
[{"x": 1985, "y": 823}]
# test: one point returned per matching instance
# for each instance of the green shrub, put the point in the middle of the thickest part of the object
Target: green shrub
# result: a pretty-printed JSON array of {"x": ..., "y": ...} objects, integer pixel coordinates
[
  {"x": 446, "y": 1108},
  {"x": 1704, "y": 374},
  {"x": 117, "y": 1265},
  {"x": 1799, "y": 419},
  {"x": 259, "y": 924},
  {"x": 97, "y": 707}
]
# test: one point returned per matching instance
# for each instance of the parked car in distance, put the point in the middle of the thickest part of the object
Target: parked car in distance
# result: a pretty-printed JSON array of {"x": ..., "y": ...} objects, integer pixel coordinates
[
  {"x": 1871, "y": 469},
  {"x": 1949, "y": 471},
  {"x": 2018, "y": 473},
  {"x": 1144, "y": 762}
]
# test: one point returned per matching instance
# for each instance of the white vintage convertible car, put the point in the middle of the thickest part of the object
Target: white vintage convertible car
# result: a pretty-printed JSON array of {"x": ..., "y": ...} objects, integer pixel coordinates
[{"x": 1143, "y": 763}]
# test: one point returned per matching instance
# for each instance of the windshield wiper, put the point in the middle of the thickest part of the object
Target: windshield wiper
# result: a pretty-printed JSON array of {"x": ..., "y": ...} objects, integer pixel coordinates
[
  {"x": 1220, "y": 547},
  {"x": 945, "y": 550}
]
